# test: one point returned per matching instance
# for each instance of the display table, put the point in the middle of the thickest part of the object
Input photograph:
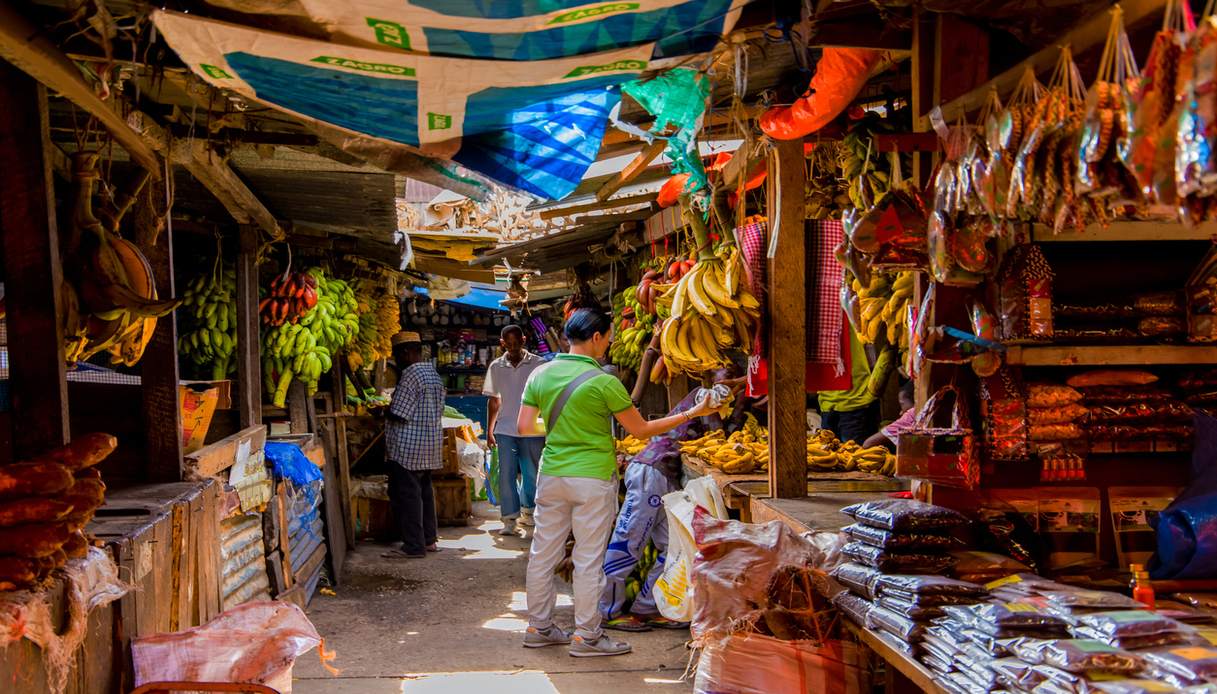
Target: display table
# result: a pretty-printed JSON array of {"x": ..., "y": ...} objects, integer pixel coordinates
[
  {"x": 740, "y": 491},
  {"x": 904, "y": 674}
]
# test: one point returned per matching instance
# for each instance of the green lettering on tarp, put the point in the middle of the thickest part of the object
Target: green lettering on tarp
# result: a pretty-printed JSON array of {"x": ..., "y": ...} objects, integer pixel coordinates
[
  {"x": 631, "y": 65},
  {"x": 390, "y": 33},
  {"x": 216, "y": 72},
  {"x": 438, "y": 121},
  {"x": 598, "y": 11},
  {"x": 382, "y": 68}
]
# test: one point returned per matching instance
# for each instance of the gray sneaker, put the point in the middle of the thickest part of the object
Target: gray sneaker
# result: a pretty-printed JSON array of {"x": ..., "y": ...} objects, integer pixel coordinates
[
  {"x": 549, "y": 636},
  {"x": 582, "y": 648},
  {"x": 509, "y": 527}
]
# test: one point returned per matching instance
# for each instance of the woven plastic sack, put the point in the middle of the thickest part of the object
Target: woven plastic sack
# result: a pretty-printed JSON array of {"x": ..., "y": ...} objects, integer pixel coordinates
[
  {"x": 257, "y": 642},
  {"x": 756, "y": 664},
  {"x": 673, "y": 589}
]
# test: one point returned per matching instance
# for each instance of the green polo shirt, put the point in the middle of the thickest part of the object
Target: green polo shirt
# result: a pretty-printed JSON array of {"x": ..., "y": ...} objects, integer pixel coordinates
[
  {"x": 857, "y": 396},
  {"x": 581, "y": 443}
]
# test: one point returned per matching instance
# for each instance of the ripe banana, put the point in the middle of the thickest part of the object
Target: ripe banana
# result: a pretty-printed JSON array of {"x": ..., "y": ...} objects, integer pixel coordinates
[{"x": 711, "y": 313}]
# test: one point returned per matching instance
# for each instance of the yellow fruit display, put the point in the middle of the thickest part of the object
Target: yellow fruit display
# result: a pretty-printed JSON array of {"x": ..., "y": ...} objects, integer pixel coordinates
[
  {"x": 884, "y": 308},
  {"x": 747, "y": 450},
  {"x": 709, "y": 312},
  {"x": 630, "y": 445}
]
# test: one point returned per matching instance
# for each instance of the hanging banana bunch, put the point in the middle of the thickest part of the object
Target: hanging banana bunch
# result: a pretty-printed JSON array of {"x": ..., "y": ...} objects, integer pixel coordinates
[{"x": 209, "y": 320}]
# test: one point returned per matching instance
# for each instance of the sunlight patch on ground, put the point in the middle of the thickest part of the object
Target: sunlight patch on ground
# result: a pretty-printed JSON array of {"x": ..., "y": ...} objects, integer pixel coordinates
[
  {"x": 481, "y": 545},
  {"x": 506, "y": 622},
  {"x": 527, "y": 682},
  {"x": 660, "y": 680},
  {"x": 519, "y": 601}
]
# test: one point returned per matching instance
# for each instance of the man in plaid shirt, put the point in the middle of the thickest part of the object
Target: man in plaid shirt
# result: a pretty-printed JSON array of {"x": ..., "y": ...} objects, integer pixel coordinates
[{"x": 414, "y": 446}]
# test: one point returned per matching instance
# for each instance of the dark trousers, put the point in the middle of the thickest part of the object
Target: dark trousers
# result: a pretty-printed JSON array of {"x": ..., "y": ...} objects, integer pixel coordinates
[
  {"x": 854, "y": 425},
  {"x": 413, "y": 503}
]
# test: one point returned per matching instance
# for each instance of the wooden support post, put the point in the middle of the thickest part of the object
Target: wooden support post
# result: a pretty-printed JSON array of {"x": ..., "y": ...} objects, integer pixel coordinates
[
  {"x": 342, "y": 451},
  {"x": 29, "y": 242},
  {"x": 299, "y": 404},
  {"x": 158, "y": 370},
  {"x": 249, "y": 367},
  {"x": 787, "y": 298}
]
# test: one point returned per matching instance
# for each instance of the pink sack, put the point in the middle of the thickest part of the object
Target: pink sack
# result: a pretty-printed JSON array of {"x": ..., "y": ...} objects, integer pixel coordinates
[{"x": 756, "y": 664}]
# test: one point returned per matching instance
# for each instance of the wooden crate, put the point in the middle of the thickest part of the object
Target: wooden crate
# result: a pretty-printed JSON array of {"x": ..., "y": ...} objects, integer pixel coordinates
[
  {"x": 374, "y": 519},
  {"x": 453, "y": 504},
  {"x": 452, "y": 460}
]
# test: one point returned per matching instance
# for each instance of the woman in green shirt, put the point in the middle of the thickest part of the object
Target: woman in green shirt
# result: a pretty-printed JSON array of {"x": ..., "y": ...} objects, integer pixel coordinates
[{"x": 577, "y": 485}]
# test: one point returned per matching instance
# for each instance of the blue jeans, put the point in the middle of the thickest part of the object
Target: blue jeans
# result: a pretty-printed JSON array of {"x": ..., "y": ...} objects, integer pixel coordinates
[{"x": 518, "y": 455}]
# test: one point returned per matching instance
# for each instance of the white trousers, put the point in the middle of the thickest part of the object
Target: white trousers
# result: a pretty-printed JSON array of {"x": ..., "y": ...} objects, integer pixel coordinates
[{"x": 586, "y": 506}]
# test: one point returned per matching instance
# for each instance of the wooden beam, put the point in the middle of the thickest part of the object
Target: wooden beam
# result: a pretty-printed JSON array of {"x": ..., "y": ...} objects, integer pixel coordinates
[
  {"x": 853, "y": 33},
  {"x": 1090, "y": 32},
  {"x": 249, "y": 366},
  {"x": 787, "y": 299},
  {"x": 554, "y": 212},
  {"x": 159, "y": 371},
  {"x": 631, "y": 170},
  {"x": 28, "y": 47},
  {"x": 342, "y": 451},
  {"x": 29, "y": 246},
  {"x": 210, "y": 169}
]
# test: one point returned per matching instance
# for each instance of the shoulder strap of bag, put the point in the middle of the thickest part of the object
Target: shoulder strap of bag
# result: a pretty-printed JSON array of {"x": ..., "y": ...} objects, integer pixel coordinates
[{"x": 560, "y": 403}]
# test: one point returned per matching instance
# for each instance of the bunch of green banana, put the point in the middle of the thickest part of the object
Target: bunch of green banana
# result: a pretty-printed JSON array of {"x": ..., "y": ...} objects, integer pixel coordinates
[
  {"x": 209, "y": 323},
  {"x": 632, "y": 327},
  {"x": 292, "y": 351},
  {"x": 333, "y": 321},
  {"x": 859, "y": 158},
  {"x": 884, "y": 305},
  {"x": 711, "y": 312},
  {"x": 633, "y": 585}
]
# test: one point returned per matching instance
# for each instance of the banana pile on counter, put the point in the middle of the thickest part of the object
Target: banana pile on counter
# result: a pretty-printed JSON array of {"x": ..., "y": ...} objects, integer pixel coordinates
[{"x": 630, "y": 445}]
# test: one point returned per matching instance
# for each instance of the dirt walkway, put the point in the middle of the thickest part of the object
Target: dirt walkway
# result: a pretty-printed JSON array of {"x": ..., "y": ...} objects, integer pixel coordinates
[{"x": 453, "y": 623}]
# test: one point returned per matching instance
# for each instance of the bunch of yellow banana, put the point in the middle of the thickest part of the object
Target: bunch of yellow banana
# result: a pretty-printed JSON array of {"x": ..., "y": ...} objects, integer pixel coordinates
[
  {"x": 827, "y": 454},
  {"x": 108, "y": 299},
  {"x": 740, "y": 453},
  {"x": 209, "y": 322},
  {"x": 379, "y": 316},
  {"x": 884, "y": 305},
  {"x": 711, "y": 312},
  {"x": 630, "y": 445}
]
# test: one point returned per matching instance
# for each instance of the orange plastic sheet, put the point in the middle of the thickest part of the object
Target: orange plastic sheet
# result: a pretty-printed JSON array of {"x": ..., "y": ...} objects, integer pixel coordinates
[{"x": 839, "y": 77}]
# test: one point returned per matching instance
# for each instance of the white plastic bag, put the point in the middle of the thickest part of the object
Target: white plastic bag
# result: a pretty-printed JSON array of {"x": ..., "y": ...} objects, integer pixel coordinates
[{"x": 673, "y": 592}]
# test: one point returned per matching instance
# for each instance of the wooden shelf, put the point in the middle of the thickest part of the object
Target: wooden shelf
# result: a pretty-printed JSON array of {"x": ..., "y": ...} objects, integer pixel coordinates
[
  {"x": 919, "y": 675},
  {"x": 1104, "y": 355},
  {"x": 1129, "y": 231}
]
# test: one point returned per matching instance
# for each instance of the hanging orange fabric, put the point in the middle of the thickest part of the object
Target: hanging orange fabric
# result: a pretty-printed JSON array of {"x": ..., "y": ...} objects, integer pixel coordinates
[{"x": 839, "y": 77}]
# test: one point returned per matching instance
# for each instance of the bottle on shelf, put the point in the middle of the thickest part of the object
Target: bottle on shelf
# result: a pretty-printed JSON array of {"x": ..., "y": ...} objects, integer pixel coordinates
[{"x": 1142, "y": 589}]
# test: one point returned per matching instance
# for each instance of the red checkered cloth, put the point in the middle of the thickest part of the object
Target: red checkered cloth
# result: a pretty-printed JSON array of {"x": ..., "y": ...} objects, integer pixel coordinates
[
  {"x": 826, "y": 319},
  {"x": 752, "y": 239}
]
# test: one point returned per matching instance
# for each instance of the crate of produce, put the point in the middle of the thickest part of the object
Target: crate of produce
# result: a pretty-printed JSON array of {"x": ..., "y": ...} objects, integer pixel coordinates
[{"x": 453, "y": 503}]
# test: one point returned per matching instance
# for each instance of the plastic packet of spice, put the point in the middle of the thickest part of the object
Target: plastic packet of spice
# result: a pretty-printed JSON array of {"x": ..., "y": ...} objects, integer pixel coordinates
[
  {"x": 1088, "y": 599},
  {"x": 1079, "y": 656},
  {"x": 934, "y": 599},
  {"x": 1139, "y": 643},
  {"x": 912, "y": 562},
  {"x": 993, "y": 646},
  {"x": 897, "y": 644},
  {"x": 1125, "y": 623},
  {"x": 995, "y": 617},
  {"x": 900, "y": 542},
  {"x": 1144, "y": 686},
  {"x": 895, "y": 624},
  {"x": 925, "y": 586},
  {"x": 912, "y": 610},
  {"x": 935, "y": 663},
  {"x": 938, "y": 649},
  {"x": 1187, "y": 662},
  {"x": 1024, "y": 584},
  {"x": 963, "y": 683},
  {"x": 858, "y": 578},
  {"x": 905, "y": 515},
  {"x": 1015, "y": 673},
  {"x": 856, "y": 608}
]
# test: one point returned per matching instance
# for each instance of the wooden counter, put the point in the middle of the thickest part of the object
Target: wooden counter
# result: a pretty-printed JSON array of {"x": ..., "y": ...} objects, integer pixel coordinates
[
  {"x": 904, "y": 673},
  {"x": 739, "y": 490}
]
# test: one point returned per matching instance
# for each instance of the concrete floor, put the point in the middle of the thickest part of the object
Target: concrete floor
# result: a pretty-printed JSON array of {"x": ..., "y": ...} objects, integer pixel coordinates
[{"x": 453, "y": 623}]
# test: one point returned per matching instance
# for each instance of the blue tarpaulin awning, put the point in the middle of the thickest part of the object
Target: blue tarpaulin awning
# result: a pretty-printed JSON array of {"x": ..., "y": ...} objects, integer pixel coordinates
[{"x": 476, "y": 298}]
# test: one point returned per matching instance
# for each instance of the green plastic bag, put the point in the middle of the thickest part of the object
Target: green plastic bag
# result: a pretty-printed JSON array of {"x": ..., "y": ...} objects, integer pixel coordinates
[{"x": 492, "y": 476}]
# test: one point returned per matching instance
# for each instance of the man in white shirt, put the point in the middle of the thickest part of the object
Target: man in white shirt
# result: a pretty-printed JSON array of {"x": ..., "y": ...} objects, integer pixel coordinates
[{"x": 518, "y": 455}]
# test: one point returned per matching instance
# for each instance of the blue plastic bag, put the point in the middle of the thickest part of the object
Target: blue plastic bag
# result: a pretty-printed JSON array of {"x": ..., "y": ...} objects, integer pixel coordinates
[{"x": 1187, "y": 529}]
